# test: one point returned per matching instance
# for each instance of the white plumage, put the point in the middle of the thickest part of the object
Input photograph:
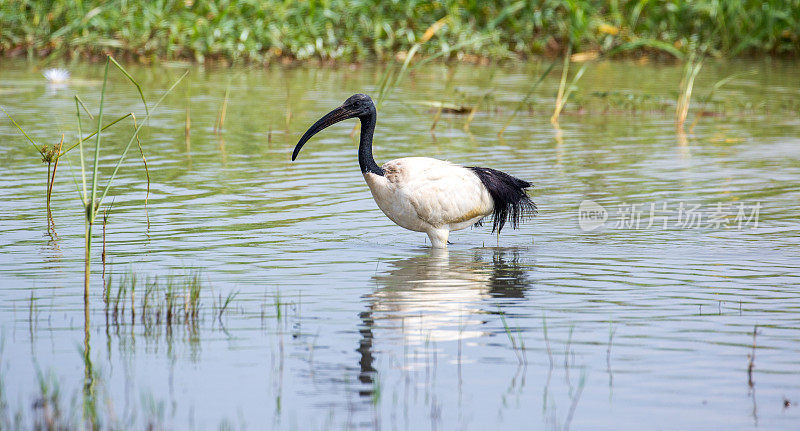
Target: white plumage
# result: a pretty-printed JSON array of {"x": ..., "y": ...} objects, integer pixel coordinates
[{"x": 430, "y": 195}]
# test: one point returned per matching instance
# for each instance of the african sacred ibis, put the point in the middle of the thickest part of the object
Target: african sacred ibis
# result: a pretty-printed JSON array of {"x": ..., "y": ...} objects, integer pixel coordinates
[{"x": 429, "y": 195}]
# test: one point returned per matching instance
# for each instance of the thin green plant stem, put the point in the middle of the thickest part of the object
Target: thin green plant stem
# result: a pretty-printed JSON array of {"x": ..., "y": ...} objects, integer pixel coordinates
[
  {"x": 470, "y": 117},
  {"x": 80, "y": 150},
  {"x": 136, "y": 133},
  {"x": 38, "y": 150},
  {"x": 570, "y": 88},
  {"x": 91, "y": 207},
  {"x": 562, "y": 85},
  {"x": 384, "y": 82},
  {"x": 87, "y": 247},
  {"x": 436, "y": 117},
  {"x": 146, "y": 171},
  {"x": 128, "y": 75},
  {"x": 85, "y": 109},
  {"x": 86, "y": 138},
  {"x": 223, "y": 110},
  {"x": 392, "y": 79},
  {"x": 455, "y": 47},
  {"x": 52, "y": 178},
  {"x": 719, "y": 84},
  {"x": 693, "y": 67},
  {"x": 47, "y": 189},
  {"x": 187, "y": 132},
  {"x": 563, "y": 93},
  {"x": 406, "y": 62},
  {"x": 74, "y": 180},
  {"x": 91, "y": 204},
  {"x": 511, "y": 337},
  {"x": 391, "y": 84},
  {"x": 527, "y": 96},
  {"x": 647, "y": 43},
  {"x": 436, "y": 26}
]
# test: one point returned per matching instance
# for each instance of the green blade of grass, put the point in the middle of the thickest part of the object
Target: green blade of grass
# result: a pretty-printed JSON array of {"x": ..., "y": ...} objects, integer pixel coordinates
[
  {"x": 146, "y": 169},
  {"x": 719, "y": 84},
  {"x": 75, "y": 181},
  {"x": 128, "y": 75},
  {"x": 80, "y": 150},
  {"x": 91, "y": 117},
  {"x": 388, "y": 84},
  {"x": 38, "y": 150},
  {"x": 92, "y": 207},
  {"x": 86, "y": 138},
  {"x": 136, "y": 133},
  {"x": 568, "y": 91},
  {"x": 647, "y": 43},
  {"x": 452, "y": 49},
  {"x": 527, "y": 96},
  {"x": 562, "y": 85}
]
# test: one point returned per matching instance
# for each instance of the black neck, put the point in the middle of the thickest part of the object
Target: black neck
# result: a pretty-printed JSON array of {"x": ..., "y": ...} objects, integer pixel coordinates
[{"x": 365, "y": 159}]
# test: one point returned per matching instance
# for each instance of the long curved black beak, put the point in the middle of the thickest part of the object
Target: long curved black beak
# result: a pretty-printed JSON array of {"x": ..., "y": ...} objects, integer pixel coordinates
[{"x": 339, "y": 114}]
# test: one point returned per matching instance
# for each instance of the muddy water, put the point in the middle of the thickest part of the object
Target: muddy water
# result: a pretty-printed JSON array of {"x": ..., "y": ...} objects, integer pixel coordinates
[{"x": 628, "y": 303}]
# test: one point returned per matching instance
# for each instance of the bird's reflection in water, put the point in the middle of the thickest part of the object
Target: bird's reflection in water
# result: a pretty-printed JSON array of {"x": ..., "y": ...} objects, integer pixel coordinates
[
  {"x": 510, "y": 276},
  {"x": 440, "y": 296}
]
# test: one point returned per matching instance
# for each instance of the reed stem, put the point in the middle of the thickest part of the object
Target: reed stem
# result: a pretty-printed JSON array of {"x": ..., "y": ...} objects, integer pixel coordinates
[{"x": 87, "y": 263}]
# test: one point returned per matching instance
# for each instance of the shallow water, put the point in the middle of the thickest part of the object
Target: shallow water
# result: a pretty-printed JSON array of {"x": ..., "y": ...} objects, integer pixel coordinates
[{"x": 632, "y": 325}]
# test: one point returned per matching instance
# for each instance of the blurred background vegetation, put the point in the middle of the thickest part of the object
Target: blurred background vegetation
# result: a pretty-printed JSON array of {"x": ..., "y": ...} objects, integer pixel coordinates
[{"x": 358, "y": 30}]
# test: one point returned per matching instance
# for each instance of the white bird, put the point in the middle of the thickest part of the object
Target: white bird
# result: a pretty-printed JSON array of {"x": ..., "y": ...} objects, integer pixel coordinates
[{"x": 429, "y": 195}]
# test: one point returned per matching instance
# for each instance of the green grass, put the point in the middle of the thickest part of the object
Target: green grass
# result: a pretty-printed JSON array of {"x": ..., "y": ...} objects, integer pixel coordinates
[
  {"x": 91, "y": 197},
  {"x": 175, "y": 298},
  {"x": 355, "y": 30}
]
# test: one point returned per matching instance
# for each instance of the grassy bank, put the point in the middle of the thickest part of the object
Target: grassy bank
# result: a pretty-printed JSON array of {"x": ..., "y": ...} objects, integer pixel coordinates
[{"x": 355, "y": 30}]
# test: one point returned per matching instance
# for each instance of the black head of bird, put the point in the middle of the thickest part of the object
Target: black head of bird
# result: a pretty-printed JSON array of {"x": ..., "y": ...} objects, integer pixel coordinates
[{"x": 356, "y": 106}]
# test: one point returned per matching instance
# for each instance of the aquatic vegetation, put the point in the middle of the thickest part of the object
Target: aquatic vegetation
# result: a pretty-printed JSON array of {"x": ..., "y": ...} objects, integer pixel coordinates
[
  {"x": 349, "y": 30},
  {"x": 692, "y": 68},
  {"x": 517, "y": 343},
  {"x": 187, "y": 127},
  {"x": 525, "y": 99},
  {"x": 220, "y": 122},
  {"x": 54, "y": 408},
  {"x": 166, "y": 302},
  {"x": 93, "y": 198},
  {"x": 49, "y": 154},
  {"x": 565, "y": 90}
]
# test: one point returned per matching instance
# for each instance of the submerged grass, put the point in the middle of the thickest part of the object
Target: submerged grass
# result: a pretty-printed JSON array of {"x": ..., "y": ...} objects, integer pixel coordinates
[
  {"x": 91, "y": 197},
  {"x": 56, "y": 409},
  {"x": 254, "y": 30},
  {"x": 165, "y": 302},
  {"x": 517, "y": 343},
  {"x": 182, "y": 300}
]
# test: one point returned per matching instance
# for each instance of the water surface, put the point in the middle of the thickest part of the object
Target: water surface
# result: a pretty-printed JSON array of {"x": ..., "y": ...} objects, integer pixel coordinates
[{"x": 633, "y": 325}]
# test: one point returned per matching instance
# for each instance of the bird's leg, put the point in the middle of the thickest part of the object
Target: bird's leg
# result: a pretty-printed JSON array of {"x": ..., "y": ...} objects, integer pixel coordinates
[{"x": 438, "y": 237}]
